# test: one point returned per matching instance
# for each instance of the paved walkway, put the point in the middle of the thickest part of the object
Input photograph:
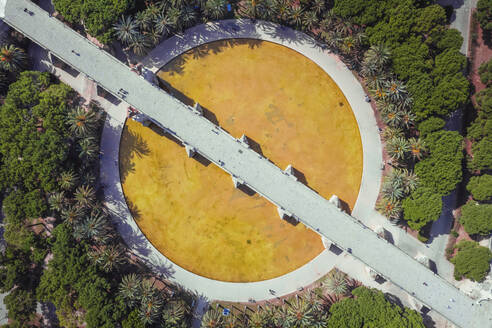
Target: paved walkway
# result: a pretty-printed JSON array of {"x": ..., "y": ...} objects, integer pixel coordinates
[
  {"x": 262, "y": 176},
  {"x": 460, "y": 19}
]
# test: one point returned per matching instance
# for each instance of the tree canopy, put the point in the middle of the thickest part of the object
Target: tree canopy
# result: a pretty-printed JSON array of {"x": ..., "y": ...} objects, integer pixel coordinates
[
  {"x": 481, "y": 187},
  {"x": 471, "y": 261},
  {"x": 369, "y": 308},
  {"x": 98, "y": 16},
  {"x": 477, "y": 218},
  {"x": 442, "y": 170},
  {"x": 484, "y": 14},
  {"x": 423, "y": 206}
]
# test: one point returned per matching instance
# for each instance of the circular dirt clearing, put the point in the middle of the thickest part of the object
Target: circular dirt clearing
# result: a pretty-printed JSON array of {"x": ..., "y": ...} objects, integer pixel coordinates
[{"x": 285, "y": 104}]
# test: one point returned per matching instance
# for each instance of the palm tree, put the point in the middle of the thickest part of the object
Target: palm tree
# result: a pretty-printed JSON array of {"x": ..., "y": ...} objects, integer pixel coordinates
[
  {"x": 296, "y": 15},
  {"x": 57, "y": 201},
  {"x": 128, "y": 289},
  {"x": 411, "y": 182},
  {"x": 390, "y": 133},
  {"x": 150, "y": 309},
  {"x": 12, "y": 59},
  {"x": 259, "y": 319},
  {"x": 94, "y": 227},
  {"x": 392, "y": 117},
  {"x": 85, "y": 196},
  {"x": 212, "y": 319},
  {"x": 389, "y": 208},
  {"x": 188, "y": 16},
  {"x": 82, "y": 122},
  {"x": 163, "y": 24},
  {"x": 314, "y": 300},
  {"x": 397, "y": 148},
  {"x": 392, "y": 191},
  {"x": 377, "y": 55},
  {"x": 139, "y": 44},
  {"x": 111, "y": 258},
  {"x": 281, "y": 317},
  {"x": 174, "y": 312},
  {"x": 153, "y": 36},
  {"x": 395, "y": 90},
  {"x": 300, "y": 312},
  {"x": 233, "y": 321},
  {"x": 215, "y": 9},
  {"x": 143, "y": 20},
  {"x": 318, "y": 6},
  {"x": 72, "y": 214},
  {"x": 310, "y": 20},
  {"x": 88, "y": 148},
  {"x": 87, "y": 176},
  {"x": 408, "y": 118},
  {"x": 417, "y": 148},
  {"x": 282, "y": 7},
  {"x": 335, "y": 282},
  {"x": 126, "y": 29},
  {"x": 68, "y": 180},
  {"x": 174, "y": 16}
]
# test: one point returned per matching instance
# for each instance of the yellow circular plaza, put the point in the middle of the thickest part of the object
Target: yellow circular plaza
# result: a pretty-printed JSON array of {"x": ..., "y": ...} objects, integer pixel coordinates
[{"x": 190, "y": 210}]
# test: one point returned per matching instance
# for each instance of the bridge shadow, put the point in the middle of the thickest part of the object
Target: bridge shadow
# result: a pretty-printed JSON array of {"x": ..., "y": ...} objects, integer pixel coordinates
[
  {"x": 197, "y": 157},
  {"x": 166, "y": 86}
]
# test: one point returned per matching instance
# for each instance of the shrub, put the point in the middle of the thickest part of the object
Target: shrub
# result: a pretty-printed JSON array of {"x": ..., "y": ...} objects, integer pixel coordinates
[
  {"x": 482, "y": 154},
  {"x": 423, "y": 206},
  {"x": 485, "y": 72},
  {"x": 472, "y": 261},
  {"x": 480, "y": 187},
  {"x": 430, "y": 125},
  {"x": 484, "y": 14},
  {"x": 442, "y": 170},
  {"x": 477, "y": 218},
  {"x": 370, "y": 306}
]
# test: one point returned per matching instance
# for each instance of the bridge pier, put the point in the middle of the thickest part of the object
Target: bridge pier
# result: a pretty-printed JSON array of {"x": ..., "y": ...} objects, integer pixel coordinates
[
  {"x": 198, "y": 109},
  {"x": 284, "y": 214},
  {"x": 244, "y": 141},
  {"x": 190, "y": 151},
  {"x": 289, "y": 170},
  {"x": 236, "y": 181},
  {"x": 335, "y": 201}
]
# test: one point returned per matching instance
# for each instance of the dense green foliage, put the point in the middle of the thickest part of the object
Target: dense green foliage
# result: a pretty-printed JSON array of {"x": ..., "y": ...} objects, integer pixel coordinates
[
  {"x": 472, "y": 261},
  {"x": 423, "y": 206},
  {"x": 424, "y": 52},
  {"x": 33, "y": 132},
  {"x": 98, "y": 16},
  {"x": 369, "y": 308},
  {"x": 72, "y": 281},
  {"x": 481, "y": 187},
  {"x": 484, "y": 14},
  {"x": 485, "y": 71},
  {"x": 482, "y": 154},
  {"x": 442, "y": 170},
  {"x": 477, "y": 218},
  {"x": 432, "y": 124}
]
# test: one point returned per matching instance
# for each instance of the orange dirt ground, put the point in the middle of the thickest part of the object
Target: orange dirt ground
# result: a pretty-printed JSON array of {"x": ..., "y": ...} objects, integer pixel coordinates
[{"x": 191, "y": 211}]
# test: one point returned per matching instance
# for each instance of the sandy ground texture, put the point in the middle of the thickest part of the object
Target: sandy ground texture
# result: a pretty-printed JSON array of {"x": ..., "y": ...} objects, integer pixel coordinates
[{"x": 288, "y": 106}]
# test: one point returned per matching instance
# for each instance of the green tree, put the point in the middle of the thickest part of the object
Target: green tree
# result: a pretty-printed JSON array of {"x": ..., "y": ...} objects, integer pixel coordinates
[
  {"x": 485, "y": 71},
  {"x": 21, "y": 306},
  {"x": 442, "y": 170},
  {"x": 471, "y": 261},
  {"x": 477, "y": 218},
  {"x": 484, "y": 14},
  {"x": 421, "y": 207},
  {"x": 369, "y": 308},
  {"x": 432, "y": 124},
  {"x": 98, "y": 16},
  {"x": 480, "y": 187},
  {"x": 482, "y": 154}
]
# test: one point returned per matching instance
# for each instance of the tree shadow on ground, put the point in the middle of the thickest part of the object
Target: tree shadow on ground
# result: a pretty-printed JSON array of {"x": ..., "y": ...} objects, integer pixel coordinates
[
  {"x": 178, "y": 64},
  {"x": 134, "y": 145}
]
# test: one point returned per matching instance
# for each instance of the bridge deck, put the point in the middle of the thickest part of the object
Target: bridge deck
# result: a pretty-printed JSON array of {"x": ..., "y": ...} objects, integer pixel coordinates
[{"x": 257, "y": 172}]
